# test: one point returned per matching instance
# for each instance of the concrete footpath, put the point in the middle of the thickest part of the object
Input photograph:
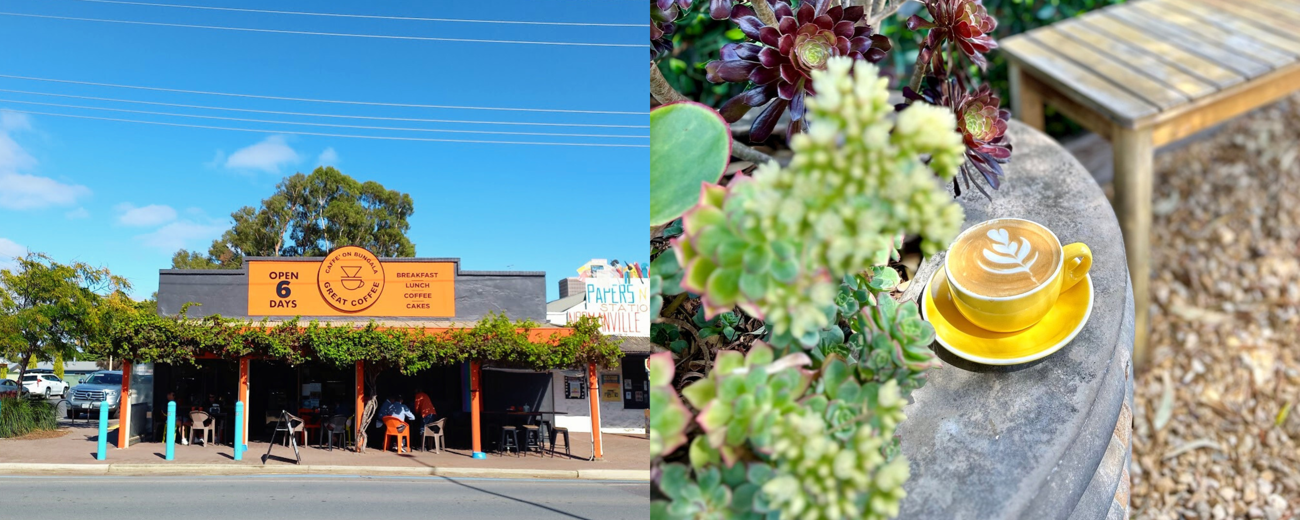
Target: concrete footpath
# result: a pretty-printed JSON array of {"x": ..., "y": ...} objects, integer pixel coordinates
[{"x": 626, "y": 457}]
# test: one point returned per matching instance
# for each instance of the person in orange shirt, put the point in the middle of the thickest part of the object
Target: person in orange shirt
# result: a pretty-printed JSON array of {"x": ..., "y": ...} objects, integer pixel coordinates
[{"x": 424, "y": 408}]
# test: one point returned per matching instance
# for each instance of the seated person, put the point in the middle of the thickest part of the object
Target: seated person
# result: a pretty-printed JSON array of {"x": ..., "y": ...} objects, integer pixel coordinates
[
  {"x": 424, "y": 408},
  {"x": 398, "y": 410}
]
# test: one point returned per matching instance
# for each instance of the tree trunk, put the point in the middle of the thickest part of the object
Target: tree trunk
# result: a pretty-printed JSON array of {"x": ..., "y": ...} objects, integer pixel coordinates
[{"x": 372, "y": 406}]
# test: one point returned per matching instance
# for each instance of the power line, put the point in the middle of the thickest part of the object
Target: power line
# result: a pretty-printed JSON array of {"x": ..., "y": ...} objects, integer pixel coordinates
[
  {"x": 309, "y": 114},
  {"x": 318, "y": 33},
  {"x": 334, "y": 101},
  {"x": 295, "y": 132},
  {"x": 366, "y": 16},
  {"x": 356, "y": 127}
]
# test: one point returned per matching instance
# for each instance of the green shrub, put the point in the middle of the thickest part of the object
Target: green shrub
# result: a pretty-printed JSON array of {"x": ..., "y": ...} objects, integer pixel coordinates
[{"x": 20, "y": 416}]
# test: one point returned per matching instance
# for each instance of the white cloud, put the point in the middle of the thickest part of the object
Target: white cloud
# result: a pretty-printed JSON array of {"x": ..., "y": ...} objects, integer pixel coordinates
[
  {"x": 329, "y": 157},
  {"x": 10, "y": 120},
  {"x": 78, "y": 213},
  {"x": 147, "y": 216},
  {"x": 268, "y": 156},
  {"x": 8, "y": 251},
  {"x": 180, "y": 234},
  {"x": 24, "y": 191},
  {"x": 20, "y": 191}
]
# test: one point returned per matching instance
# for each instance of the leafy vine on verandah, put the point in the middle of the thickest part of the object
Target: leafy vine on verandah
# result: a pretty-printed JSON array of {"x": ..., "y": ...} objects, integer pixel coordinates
[{"x": 497, "y": 339}]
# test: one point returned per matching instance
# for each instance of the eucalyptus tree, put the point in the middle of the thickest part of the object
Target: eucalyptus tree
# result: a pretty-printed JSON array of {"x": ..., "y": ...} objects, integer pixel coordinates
[{"x": 310, "y": 215}]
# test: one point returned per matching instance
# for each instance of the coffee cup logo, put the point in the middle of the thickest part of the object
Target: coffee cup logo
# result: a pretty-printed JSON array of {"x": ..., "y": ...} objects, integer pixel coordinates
[
  {"x": 1009, "y": 252},
  {"x": 351, "y": 279}
]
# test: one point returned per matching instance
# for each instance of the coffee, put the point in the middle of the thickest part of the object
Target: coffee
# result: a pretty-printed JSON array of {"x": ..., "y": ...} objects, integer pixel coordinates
[{"x": 1003, "y": 257}]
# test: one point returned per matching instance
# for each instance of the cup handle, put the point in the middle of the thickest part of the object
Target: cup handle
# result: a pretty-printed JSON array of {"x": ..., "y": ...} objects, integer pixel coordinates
[{"x": 1078, "y": 260}]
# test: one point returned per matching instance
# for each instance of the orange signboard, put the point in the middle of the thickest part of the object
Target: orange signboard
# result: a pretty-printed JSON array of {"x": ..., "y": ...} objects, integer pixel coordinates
[{"x": 351, "y": 281}]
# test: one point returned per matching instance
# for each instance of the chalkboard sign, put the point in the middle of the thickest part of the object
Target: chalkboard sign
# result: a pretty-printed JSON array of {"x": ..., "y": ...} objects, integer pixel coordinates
[
  {"x": 575, "y": 387},
  {"x": 288, "y": 422}
]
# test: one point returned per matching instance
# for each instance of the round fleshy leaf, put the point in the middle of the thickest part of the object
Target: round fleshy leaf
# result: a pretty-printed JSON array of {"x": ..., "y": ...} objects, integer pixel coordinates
[{"x": 690, "y": 144}]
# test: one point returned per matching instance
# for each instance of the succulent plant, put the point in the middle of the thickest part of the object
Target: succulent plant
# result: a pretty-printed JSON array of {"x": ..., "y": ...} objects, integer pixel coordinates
[
  {"x": 663, "y": 14},
  {"x": 772, "y": 449},
  {"x": 980, "y": 120},
  {"x": 776, "y": 244},
  {"x": 665, "y": 280},
  {"x": 895, "y": 344},
  {"x": 668, "y": 416},
  {"x": 743, "y": 398},
  {"x": 963, "y": 23},
  {"x": 781, "y": 60},
  {"x": 821, "y": 475}
]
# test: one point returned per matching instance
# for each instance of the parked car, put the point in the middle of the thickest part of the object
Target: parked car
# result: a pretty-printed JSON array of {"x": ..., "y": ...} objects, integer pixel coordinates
[
  {"x": 11, "y": 388},
  {"x": 45, "y": 385},
  {"x": 101, "y": 386}
]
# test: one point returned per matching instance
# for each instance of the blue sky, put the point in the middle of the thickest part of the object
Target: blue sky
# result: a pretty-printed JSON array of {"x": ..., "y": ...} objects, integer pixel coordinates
[{"x": 127, "y": 195}]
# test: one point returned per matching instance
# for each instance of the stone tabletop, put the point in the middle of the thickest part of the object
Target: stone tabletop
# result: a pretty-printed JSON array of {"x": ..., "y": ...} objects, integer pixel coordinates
[{"x": 1024, "y": 442}]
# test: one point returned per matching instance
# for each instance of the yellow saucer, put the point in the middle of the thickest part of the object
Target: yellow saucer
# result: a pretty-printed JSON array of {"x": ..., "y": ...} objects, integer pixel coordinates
[{"x": 968, "y": 341}]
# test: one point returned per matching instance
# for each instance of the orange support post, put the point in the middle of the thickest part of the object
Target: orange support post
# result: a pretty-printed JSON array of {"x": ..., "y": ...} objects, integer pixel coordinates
[
  {"x": 361, "y": 403},
  {"x": 243, "y": 397},
  {"x": 593, "y": 394},
  {"x": 124, "y": 407},
  {"x": 476, "y": 407}
]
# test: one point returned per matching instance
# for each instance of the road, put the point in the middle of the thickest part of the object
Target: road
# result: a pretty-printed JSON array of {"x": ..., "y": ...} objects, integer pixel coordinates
[{"x": 287, "y": 497}]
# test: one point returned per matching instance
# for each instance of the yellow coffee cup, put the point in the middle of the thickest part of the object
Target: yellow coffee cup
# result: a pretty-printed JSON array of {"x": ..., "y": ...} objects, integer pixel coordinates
[{"x": 1006, "y": 274}]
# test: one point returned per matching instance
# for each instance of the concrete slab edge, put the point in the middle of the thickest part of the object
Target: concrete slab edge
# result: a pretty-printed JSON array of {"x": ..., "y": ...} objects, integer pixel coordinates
[{"x": 290, "y": 469}]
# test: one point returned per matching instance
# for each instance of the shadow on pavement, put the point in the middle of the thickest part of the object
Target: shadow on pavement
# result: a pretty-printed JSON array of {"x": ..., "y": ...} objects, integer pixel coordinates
[{"x": 508, "y": 497}]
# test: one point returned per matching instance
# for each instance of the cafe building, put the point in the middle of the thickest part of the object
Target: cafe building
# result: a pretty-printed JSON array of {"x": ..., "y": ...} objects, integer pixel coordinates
[{"x": 352, "y": 287}]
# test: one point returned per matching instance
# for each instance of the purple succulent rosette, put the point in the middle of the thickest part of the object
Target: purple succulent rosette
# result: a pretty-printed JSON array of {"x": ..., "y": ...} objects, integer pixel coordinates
[
  {"x": 965, "y": 23},
  {"x": 779, "y": 61},
  {"x": 981, "y": 121}
]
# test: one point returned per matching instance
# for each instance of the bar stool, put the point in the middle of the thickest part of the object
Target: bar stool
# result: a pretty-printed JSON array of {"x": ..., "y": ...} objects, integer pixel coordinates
[
  {"x": 532, "y": 439},
  {"x": 510, "y": 441},
  {"x": 555, "y": 431}
]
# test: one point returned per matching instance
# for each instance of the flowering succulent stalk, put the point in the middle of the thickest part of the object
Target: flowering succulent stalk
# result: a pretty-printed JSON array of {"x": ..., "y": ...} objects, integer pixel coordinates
[
  {"x": 778, "y": 243},
  {"x": 782, "y": 59},
  {"x": 819, "y": 477}
]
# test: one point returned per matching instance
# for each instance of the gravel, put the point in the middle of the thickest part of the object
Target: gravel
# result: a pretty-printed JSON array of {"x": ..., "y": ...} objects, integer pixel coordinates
[{"x": 1214, "y": 427}]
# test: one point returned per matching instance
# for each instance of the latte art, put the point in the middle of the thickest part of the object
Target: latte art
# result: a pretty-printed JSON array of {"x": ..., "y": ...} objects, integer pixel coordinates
[{"x": 1004, "y": 258}]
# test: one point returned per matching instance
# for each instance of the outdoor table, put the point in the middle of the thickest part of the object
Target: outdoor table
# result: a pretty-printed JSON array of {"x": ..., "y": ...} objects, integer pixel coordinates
[{"x": 1048, "y": 439}]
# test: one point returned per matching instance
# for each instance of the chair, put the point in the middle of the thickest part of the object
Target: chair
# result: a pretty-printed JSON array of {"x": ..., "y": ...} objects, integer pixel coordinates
[
  {"x": 391, "y": 424},
  {"x": 202, "y": 423},
  {"x": 556, "y": 431},
  {"x": 509, "y": 440},
  {"x": 434, "y": 431},
  {"x": 337, "y": 426},
  {"x": 532, "y": 438}
]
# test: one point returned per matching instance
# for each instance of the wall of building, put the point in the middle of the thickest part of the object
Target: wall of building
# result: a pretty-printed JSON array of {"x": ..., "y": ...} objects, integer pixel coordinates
[{"x": 613, "y": 417}]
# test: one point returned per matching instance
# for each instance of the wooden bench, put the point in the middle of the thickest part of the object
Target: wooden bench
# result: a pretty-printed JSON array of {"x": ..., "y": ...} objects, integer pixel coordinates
[{"x": 1150, "y": 72}]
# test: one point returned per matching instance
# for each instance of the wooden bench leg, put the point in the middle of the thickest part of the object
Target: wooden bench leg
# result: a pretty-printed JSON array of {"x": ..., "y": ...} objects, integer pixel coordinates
[
  {"x": 1133, "y": 171},
  {"x": 1026, "y": 101}
]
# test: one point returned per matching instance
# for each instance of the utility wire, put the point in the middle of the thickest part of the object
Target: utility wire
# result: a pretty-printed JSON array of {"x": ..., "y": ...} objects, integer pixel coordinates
[
  {"x": 334, "y": 101},
  {"x": 309, "y": 114},
  {"x": 295, "y": 132},
  {"x": 318, "y": 33},
  {"x": 331, "y": 125},
  {"x": 372, "y": 17}
]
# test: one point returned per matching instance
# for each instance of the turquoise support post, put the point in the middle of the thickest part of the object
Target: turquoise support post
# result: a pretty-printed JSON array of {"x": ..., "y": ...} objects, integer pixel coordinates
[
  {"x": 239, "y": 430},
  {"x": 103, "y": 431},
  {"x": 171, "y": 430}
]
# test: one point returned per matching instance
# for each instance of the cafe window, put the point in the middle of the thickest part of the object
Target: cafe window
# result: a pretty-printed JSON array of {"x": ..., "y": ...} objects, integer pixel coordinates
[{"x": 636, "y": 383}]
